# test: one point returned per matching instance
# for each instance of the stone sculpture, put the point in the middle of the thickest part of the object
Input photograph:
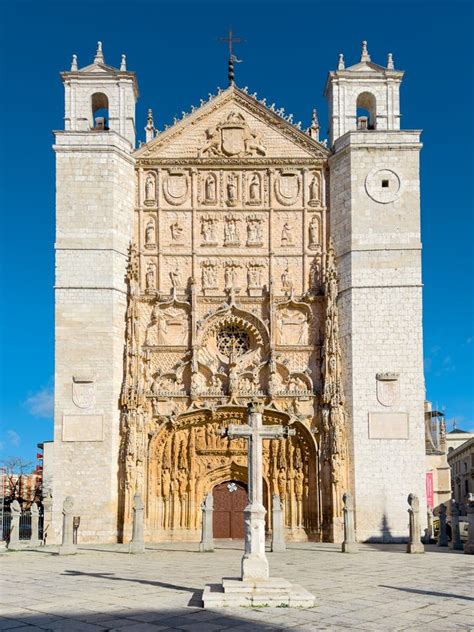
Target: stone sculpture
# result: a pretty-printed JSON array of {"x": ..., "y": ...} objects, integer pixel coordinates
[
  {"x": 207, "y": 541},
  {"x": 349, "y": 544},
  {"x": 137, "y": 544},
  {"x": 68, "y": 547},
  {"x": 414, "y": 544}
]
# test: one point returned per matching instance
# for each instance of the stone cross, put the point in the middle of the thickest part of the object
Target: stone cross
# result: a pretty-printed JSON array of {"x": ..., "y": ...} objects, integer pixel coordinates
[
  {"x": 442, "y": 535},
  {"x": 14, "y": 542},
  {"x": 207, "y": 540},
  {"x": 414, "y": 545},
  {"x": 34, "y": 539},
  {"x": 456, "y": 542},
  {"x": 278, "y": 537},
  {"x": 349, "y": 544},
  {"x": 469, "y": 545},
  {"x": 254, "y": 561},
  {"x": 68, "y": 547},
  {"x": 137, "y": 544}
]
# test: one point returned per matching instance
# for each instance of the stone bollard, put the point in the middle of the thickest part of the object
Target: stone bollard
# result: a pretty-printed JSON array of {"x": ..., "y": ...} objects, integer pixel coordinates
[
  {"x": 456, "y": 543},
  {"x": 34, "y": 538},
  {"x": 428, "y": 537},
  {"x": 137, "y": 544},
  {"x": 207, "y": 538},
  {"x": 278, "y": 534},
  {"x": 442, "y": 535},
  {"x": 469, "y": 545},
  {"x": 349, "y": 544},
  {"x": 68, "y": 547},
  {"x": 14, "y": 542},
  {"x": 414, "y": 545}
]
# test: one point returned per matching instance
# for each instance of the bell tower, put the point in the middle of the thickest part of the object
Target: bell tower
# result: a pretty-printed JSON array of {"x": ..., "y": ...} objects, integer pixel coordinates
[
  {"x": 375, "y": 227},
  {"x": 95, "y": 189}
]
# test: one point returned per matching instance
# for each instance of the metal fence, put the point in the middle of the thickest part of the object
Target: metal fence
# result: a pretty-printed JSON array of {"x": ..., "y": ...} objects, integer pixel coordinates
[{"x": 25, "y": 525}]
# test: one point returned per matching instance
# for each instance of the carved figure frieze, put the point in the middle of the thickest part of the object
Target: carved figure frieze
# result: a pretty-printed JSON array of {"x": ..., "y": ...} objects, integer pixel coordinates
[
  {"x": 210, "y": 187},
  {"x": 232, "y": 137},
  {"x": 177, "y": 232},
  {"x": 287, "y": 236},
  {"x": 255, "y": 271},
  {"x": 168, "y": 326},
  {"x": 176, "y": 187},
  {"x": 231, "y": 275},
  {"x": 292, "y": 327}
]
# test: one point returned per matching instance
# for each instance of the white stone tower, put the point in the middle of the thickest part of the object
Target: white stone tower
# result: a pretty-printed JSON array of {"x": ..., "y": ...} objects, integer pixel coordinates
[
  {"x": 95, "y": 190},
  {"x": 375, "y": 226}
]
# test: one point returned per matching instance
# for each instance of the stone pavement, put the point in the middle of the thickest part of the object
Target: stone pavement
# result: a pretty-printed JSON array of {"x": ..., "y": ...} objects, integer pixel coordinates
[{"x": 105, "y": 588}]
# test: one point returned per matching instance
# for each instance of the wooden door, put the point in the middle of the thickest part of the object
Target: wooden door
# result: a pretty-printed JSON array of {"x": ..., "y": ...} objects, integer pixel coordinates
[{"x": 230, "y": 499}]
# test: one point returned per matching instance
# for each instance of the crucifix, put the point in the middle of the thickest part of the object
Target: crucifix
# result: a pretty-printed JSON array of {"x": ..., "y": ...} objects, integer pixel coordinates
[
  {"x": 230, "y": 40},
  {"x": 254, "y": 561}
]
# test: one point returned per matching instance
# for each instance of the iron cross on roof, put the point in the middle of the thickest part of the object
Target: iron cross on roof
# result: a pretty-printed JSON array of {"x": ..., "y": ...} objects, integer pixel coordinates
[{"x": 230, "y": 40}]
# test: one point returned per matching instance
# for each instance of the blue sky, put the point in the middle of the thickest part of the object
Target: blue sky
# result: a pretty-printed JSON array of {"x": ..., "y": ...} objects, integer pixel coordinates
[{"x": 288, "y": 50}]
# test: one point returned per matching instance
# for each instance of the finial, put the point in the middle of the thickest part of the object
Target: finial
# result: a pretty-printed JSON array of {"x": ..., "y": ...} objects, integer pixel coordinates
[
  {"x": 123, "y": 63},
  {"x": 364, "y": 56},
  {"x": 230, "y": 71},
  {"x": 454, "y": 424},
  {"x": 390, "y": 65},
  {"x": 340, "y": 64},
  {"x": 150, "y": 127},
  {"x": 313, "y": 130},
  {"x": 74, "y": 63},
  {"x": 99, "y": 56}
]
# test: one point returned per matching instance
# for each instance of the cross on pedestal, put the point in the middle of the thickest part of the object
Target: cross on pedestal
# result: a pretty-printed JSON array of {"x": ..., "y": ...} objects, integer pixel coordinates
[{"x": 254, "y": 561}]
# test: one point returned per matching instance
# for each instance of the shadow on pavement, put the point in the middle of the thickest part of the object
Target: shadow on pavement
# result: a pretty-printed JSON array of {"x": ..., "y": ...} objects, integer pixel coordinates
[{"x": 432, "y": 593}]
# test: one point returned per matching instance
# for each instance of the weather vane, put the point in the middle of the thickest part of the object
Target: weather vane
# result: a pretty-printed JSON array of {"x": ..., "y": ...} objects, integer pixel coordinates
[{"x": 230, "y": 40}]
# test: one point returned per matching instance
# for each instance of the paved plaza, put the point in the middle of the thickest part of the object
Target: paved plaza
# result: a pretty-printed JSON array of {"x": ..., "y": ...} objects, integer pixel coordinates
[{"x": 105, "y": 588}]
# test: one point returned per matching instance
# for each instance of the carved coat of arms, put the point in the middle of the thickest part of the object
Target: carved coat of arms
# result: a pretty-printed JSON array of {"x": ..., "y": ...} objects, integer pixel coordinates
[
  {"x": 233, "y": 138},
  {"x": 83, "y": 391},
  {"x": 175, "y": 187},
  {"x": 388, "y": 389}
]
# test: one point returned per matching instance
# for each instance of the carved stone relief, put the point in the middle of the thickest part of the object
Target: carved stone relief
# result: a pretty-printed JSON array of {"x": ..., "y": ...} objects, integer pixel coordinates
[
  {"x": 314, "y": 231},
  {"x": 209, "y": 275},
  {"x": 231, "y": 232},
  {"x": 150, "y": 234},
  {"x": 254, "y": 230},
  {"x": 150, "y": 189},
  {"x": 314, "y": 190},
  {"x": 255, "y": 189},
  {"x": 388, "y": 389},
  {"x": 292, "y": 327},
  {"x": 287, "y": 187},
  {"x": 232, "y": 189},
  {"x": 209, "y": 188},
  {"x": 232, "y": 137},
  {"x": 150, "y": 277},
  {"x": 208, "y": 230},
  {"x": 176, "y": 187}
]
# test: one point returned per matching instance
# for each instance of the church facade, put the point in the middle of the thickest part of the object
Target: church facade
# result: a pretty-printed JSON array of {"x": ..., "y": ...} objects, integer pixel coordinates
[{"x": 235, "y": 257}]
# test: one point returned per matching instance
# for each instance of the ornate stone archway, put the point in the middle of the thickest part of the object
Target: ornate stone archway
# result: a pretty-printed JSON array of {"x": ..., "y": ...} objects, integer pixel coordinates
[{"x": 188, "y": 458}]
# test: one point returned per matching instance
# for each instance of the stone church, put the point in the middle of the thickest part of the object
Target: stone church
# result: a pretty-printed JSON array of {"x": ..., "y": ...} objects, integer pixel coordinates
[{"x": 235, "y": 256}]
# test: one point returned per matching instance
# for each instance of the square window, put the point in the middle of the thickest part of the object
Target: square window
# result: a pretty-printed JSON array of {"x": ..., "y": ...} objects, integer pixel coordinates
[{"x": 385, "y": 184}]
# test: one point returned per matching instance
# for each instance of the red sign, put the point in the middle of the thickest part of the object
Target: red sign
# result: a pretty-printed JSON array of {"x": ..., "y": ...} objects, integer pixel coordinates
[{"x": 429, "y": 490}]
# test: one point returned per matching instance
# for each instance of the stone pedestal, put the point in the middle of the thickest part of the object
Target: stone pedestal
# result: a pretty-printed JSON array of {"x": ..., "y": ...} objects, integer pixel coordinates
[
  {"x": 278, "y": 537},
  {"x": 271, "y": 592},
  {"x": 414, "y": 545},
  {"x": 137, "y": 545},
  {"x": 469, "y": 545},
  {"x": 349, "y": 544},
  {"x": 68, "y": 547},
  {"x": 207, "y": 538}
]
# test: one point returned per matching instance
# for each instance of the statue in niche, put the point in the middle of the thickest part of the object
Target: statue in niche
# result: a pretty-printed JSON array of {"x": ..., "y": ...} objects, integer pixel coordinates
[
  {"x": 231, "y": 189},
  {"x": 286, "y": 280},
  {"x": 254, "y": 231},
  {"x": 303, "y": 337},
  {"x": 209, "y": 276},
  {"x": 255, "y": 189},
  {"x": 176, "y": 231},
  {"x": 162, "y": 327},
  {"x": 314, "y": 233},
  {"x": 150, "y": 277},
  {"x": 254, "y": 276},
  {"x": 210, "y": 188},
  {"x": 286, "y": 234},
  {"x": 314, "y": 191},
  {"x": 150, "y": 188},
  {"x": 231, "y": 236},
  {"x": 150, "y": 234},
  {"x": 208, "y": 230},
  {"x": 175, "y": 276}
]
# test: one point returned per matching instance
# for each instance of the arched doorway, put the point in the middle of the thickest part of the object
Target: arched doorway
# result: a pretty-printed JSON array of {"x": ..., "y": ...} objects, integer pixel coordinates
[{"x": 230, "y": 499}]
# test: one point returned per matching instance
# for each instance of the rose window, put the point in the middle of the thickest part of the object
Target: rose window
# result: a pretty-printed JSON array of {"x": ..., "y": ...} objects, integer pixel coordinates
[{"x": 232, "y": 340}]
